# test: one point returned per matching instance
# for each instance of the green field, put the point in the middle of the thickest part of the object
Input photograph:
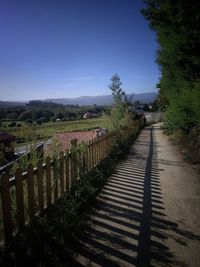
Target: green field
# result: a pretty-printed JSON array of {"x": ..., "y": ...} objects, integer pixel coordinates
[{"x": 47, "y": 130}]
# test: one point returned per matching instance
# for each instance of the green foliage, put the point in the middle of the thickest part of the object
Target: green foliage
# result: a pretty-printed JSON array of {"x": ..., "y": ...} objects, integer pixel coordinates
[
  {"x": 195, "y": 102},
  {"x": 54, "y": 149},
  {"x": 32, "y": 156},
  {"x": 176, "y": 24},
  {"x": 41, "y": 111},
  {"x": 120, "y": 104}
]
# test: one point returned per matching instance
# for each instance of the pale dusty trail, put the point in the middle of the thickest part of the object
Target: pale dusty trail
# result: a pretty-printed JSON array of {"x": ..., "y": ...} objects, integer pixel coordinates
[{"x": 148, "y": 213}]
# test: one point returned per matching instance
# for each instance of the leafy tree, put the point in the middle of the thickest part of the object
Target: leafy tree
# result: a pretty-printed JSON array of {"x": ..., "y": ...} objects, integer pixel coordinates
[
  {"x": 12, "y": 116},
  {"x": 47, "y": 114},
  {"x": 176, "y": 24},
  {"x": 119, "y": 107},
  {"x": 25, "y": 115},
  {"x": 36, "y": 114}
]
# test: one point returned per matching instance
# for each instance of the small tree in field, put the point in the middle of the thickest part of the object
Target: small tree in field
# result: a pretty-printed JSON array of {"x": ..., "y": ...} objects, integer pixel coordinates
[{"x": 119, "y": 108}]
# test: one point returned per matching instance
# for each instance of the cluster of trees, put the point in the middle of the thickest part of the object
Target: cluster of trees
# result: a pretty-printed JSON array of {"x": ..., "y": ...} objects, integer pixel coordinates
[
  {"x": 176, "y": 24},
  {"x": 39, "y": 112}
]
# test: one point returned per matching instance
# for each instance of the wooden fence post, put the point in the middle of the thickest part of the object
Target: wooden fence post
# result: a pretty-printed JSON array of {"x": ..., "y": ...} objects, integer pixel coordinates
[
  {"x": 89, "y": 155},
  {"x": 78, "y": 164},
  {"x": 92, "y": 153},
  {"x": 67, "y": 170},
  {"x": 104, "y": 146},
  {"x": 55, "y": 177},
  {"x": 48, "y": 181},
  {"x": 98, "y": 149},
  {"x": 19, "y": 199},
  {"x": 61, "y": 172},
  {"x": 74, "y": 168},
  {"x": 6, "y": 208},
  {"x": 95, "y": 152},
  {"x": 103, "y": 142},
  {"x": 40, "y": 185},
  {"x": 31, "y": 197},
  {"x": 86, "y": 157}
]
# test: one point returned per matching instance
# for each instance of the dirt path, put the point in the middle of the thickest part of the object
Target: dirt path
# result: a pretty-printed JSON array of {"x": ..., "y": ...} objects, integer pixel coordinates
[{"x": 148, "y": 213}]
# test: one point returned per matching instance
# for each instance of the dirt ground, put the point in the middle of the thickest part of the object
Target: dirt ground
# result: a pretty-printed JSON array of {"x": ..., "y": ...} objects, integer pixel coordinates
[{"x": 148, "y": 213}]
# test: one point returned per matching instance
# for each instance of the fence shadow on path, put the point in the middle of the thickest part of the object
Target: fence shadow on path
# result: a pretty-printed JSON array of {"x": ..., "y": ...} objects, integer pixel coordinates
[{"x": 129, "y": 224}]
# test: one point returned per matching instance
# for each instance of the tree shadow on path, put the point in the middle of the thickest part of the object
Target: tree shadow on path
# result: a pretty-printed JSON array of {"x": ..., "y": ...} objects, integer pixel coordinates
[{"x": 129, "y": 225}]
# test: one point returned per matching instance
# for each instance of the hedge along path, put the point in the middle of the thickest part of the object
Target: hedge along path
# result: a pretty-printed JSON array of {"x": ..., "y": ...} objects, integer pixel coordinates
[{"x": 39, "y": 187}]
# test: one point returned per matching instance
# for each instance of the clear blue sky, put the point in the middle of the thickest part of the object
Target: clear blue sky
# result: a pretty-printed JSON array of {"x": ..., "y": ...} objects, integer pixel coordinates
[{"x": 70, "y": 48}]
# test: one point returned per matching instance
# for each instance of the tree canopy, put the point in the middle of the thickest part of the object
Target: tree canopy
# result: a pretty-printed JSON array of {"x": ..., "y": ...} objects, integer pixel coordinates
[
  {"x": 176, "y": 24},
  {"x": 118, "y": 110}
]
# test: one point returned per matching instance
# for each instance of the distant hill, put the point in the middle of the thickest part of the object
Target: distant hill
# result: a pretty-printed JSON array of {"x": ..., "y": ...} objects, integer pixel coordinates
[
  {"x": 103, "y": 99},
  {"x": 11, "y": 103},
  {"x": 86, "y": 100}
]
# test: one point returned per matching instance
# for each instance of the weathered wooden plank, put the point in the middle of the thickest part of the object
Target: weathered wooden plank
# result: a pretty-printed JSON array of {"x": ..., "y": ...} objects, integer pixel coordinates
[
  {"x": 86, "y": 156},
  {"x": 100, "y": 149},
  {"x": 95, "y": 155},
  {"x": 83, "y": 159},
  {"x": 104, "y": 146},
  {"x": 19, "y": 198},
  {"x": 79, "y": 163},
  {"x": 97, "y": 151},
  {"x": 30, "y": 186},
  {"x": 92, "y": 154},
  {"x": 55, "y": 178},
  {"x": 48, "y": 181},
  {"x": 61, "y": 172},
  {"x": 6, "y": 208},
  {"x": 67, "y": 171},
  {"x": 74, "y": 169},
  {"x": 40, "y": 185},
  {"x": 89, "y": 154}
]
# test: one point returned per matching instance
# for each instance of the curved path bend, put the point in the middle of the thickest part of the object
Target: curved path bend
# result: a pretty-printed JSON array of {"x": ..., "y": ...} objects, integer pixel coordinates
[{"x": 148, "y": 213}]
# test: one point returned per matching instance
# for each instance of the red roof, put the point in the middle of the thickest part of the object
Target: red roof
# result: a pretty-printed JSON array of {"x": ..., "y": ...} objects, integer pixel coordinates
[{"x": 66, "y": 138}]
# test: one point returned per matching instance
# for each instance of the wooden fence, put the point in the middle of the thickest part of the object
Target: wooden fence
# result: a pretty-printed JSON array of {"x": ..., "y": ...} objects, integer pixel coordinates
[{"x": 27, "y": 194}]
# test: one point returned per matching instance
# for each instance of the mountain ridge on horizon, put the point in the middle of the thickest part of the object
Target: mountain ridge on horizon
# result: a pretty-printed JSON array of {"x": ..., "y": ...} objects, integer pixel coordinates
[
  {"x": 102, "y": 99},
  {"x": 87, "y": 100}
]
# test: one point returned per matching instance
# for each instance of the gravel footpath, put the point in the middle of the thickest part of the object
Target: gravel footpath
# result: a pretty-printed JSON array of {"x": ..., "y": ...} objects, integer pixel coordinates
[{"x": 148, "y": 213}]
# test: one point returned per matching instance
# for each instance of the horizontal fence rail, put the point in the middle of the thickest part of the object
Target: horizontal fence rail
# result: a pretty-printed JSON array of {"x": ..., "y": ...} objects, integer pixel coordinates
[{"x": 28, "y": 193}]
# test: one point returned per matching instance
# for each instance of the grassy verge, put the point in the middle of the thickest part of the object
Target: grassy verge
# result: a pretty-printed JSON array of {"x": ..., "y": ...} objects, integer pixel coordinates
[{"x": 51, "y": 239}]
